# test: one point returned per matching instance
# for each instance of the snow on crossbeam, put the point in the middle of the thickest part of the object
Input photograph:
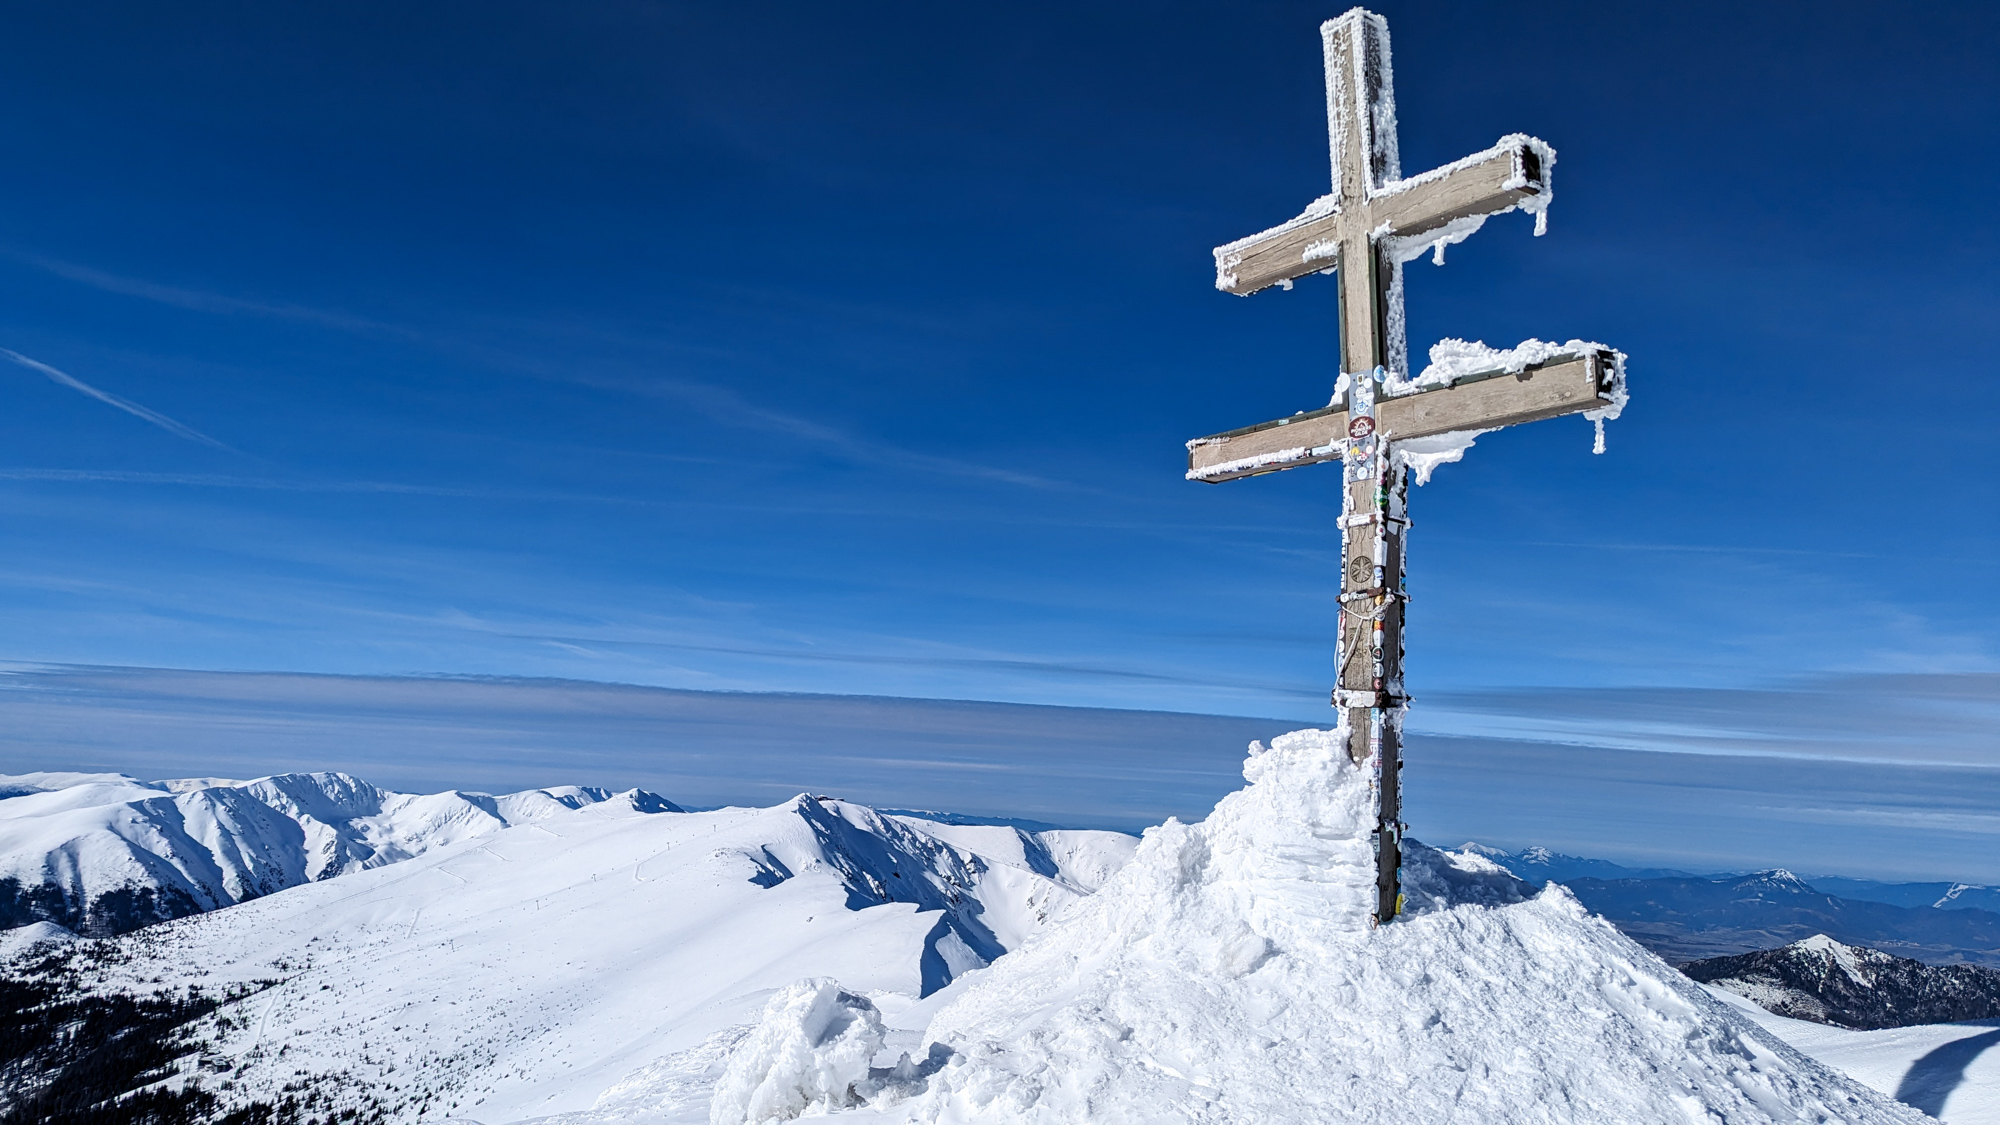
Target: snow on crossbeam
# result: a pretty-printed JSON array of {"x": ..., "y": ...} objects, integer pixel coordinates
[
  {"x": 1511, "y": 175},
  {"x": 1570, "y": 383}
]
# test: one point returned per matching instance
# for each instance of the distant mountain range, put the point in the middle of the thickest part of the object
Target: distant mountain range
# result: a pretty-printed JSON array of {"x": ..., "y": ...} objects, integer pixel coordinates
[
  {"x": 102, "y": 854},
  {"x": 1686, "y": 917},
  {"x": 1825, "y": 981},
  {"x": 1540, "y": 865},
  {"x": 550, "y": 958},
  {"x": 1543, "y": 864}
]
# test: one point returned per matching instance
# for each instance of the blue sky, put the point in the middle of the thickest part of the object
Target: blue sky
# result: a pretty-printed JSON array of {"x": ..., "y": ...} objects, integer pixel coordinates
[{"x": 849, "y": 350}]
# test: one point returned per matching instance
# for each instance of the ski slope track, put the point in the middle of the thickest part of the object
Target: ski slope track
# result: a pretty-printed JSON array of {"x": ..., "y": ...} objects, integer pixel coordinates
[
  {"x": 102, "y": 854},
  {"x": 1229, "y": 974},
  {"x": 524, "y": 970}
]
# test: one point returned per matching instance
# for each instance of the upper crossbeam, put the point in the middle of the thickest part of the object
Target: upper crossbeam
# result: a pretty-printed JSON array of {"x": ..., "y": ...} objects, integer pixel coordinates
[
  {"x": 1374, "y": 218},
  {"x": 1483, "y": 184}
]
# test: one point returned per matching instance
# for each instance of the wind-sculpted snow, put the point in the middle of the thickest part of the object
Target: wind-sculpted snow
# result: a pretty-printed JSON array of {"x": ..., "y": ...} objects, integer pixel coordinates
[
  {"x": 106, "y": 853},
  {"x": 810, "y": 1051},
  {"x": 595, "y": 954},
  {"x": 1230, "y": 974}
]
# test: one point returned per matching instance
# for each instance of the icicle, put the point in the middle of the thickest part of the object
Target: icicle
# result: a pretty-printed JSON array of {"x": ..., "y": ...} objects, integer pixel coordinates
[
  {"x": 1437, "y": 253},
  {"x": 1286, "y": 285},
  {"x": 1541, "y": 222},
  {"x": 1598, "y": 446}
]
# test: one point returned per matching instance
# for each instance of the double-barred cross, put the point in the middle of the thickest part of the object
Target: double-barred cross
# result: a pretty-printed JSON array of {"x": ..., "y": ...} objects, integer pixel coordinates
[{"x": 1362, "y": 232}]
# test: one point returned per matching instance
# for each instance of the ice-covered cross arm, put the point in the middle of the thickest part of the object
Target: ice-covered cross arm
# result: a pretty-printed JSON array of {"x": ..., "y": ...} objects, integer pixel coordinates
[
  {"x": 1373, "y": 220},
  {"x": 1411, "y": 211},
  {"x": 1572, "y": 378}
]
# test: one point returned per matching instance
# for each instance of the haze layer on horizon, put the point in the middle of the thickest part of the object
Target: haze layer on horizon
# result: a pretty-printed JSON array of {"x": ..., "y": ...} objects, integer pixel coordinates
[{"x": 1713, "y": 794}]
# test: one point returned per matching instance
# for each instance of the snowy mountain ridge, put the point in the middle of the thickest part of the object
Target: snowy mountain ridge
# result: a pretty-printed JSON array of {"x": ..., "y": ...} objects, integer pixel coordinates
[
  {"x": 526, "y": 970},
  {"x": 1825, "y": 981},
  {"x": 103, "y": 854}
]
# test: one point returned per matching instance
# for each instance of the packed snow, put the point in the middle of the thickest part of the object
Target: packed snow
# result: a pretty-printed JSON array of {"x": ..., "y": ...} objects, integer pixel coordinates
[
  {"x": 1230, "y": 974},
  {"x": 1949, "y": 1070},
  {"x": 810, "y": 1050}
]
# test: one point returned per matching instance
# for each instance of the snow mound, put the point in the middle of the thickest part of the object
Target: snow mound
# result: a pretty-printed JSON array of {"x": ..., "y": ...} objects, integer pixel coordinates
[
  {"x": 33, "y": 938},
  {"x": 1230, "y": 974},
  {"x": 810, "y": 1051}
]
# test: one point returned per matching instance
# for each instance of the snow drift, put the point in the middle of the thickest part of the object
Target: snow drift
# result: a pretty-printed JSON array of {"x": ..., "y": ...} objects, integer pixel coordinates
[
  {"x": 1230, "y": 974},
  {"x": 810, "y": 1050}
]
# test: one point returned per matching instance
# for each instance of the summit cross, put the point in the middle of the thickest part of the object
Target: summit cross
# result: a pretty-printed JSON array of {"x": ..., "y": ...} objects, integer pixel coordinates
[{"x": 1362, "y": 232}]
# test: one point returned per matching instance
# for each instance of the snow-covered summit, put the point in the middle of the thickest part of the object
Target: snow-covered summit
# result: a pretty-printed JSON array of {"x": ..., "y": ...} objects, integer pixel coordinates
[
  {"x": 106, "y": 853},
  {"x": 1776, "y": 881},
  {"x": 1230, "y": 974}
]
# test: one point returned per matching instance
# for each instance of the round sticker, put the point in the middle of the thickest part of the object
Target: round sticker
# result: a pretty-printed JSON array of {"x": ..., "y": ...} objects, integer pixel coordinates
[{"x": 1361, "y": 427}]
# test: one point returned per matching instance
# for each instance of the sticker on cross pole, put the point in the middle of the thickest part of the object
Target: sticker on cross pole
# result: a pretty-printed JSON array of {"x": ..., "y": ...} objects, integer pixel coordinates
[{"x": 1360, "y": 427}]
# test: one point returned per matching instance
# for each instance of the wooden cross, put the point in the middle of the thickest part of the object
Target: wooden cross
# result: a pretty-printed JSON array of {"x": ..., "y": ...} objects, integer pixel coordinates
[{"x": 1363, "y": 231}]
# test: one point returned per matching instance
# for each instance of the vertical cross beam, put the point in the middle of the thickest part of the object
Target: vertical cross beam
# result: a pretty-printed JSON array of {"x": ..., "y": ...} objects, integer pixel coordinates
[
  {"x": 1361, "y": 231},
  {"x": 1369, "y": 650},
  {"x": 1361, "y": 133}
]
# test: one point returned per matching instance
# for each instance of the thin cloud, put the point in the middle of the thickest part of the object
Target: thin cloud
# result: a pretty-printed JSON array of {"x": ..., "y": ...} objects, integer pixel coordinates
[
  {"x": 217, "y": 480},
  {"x": 719, "y": 402},
  {"x": 109, "y": 399},
  {"x": 1055, "y": 668},
  {"x": 1938, "y": 720},
  {"x": 202, "y": 301},
  {"x": 728, "y": 406},
  {"x": 279, "y": 484}
]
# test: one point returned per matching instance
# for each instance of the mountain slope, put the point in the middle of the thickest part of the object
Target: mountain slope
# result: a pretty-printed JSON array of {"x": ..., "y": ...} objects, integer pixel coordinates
[
  {"x": 1949, "y": 1070},
  {"x": 1820, "y": 979},
  {"x": 104, "y": 854},
  {"x": 525, "y": 970}
]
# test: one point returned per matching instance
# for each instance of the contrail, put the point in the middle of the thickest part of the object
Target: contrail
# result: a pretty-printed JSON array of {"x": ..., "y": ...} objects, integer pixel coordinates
[{"x": 127, "y": 405}]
